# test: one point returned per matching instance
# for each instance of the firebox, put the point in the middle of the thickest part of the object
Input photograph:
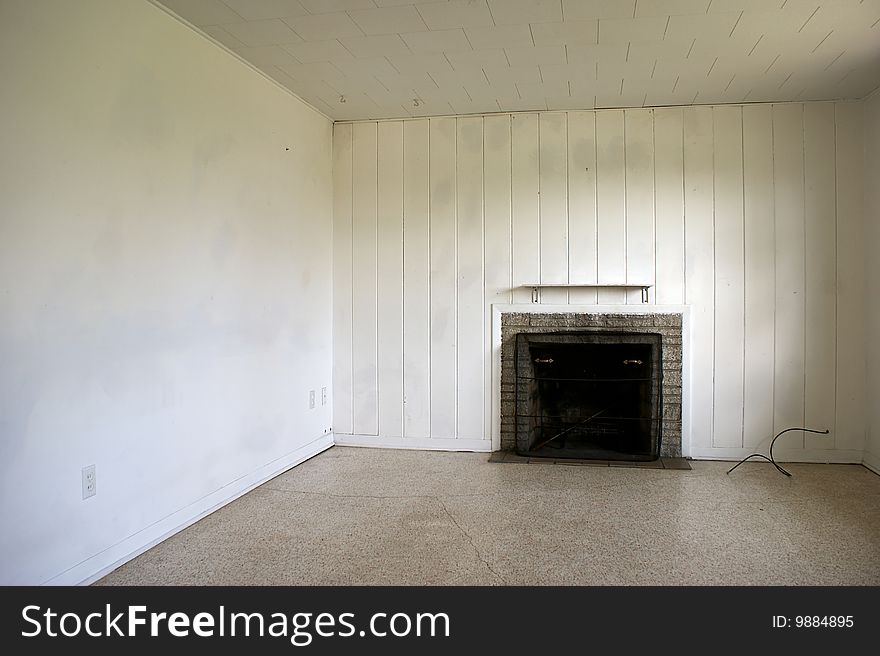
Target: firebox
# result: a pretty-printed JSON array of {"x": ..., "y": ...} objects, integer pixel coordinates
[{"x": 592, "y": 395}]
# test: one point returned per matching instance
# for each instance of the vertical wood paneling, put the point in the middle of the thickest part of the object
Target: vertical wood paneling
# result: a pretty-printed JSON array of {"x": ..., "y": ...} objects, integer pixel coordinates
[
  {"x": 390, "y": 278},
  {"x": 669, "y": 203},
  {"x": 611, "y": 202},
  {"x": 751, "y": 215},
  {"x": 526, "y": 236},
  {"x": 729, "y": 278},
  {"x": 699, "y": 265},
  {"x": 639, "y": 143},
  {"x": 497, "y": 217},
  {"x": 553, "y": 187},
  {"x": 788, "y": 184},
  {"x": 443, "y": 274},
  {"x": 470, "y": 388},
  {"x": 416, "y": 283},
  {"x": 851, "y": 299},
  {"x": 364, "y": 289},
  {"x": 342, "y": 277},
  {"x": 582, "y": 259},
  {"x": 820, "y": 241},
  {"x": 760, "y": 281}
]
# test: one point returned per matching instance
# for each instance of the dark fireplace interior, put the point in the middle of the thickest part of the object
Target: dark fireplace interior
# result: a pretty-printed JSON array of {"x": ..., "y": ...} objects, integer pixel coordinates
[{"x": 589, "y": 395}]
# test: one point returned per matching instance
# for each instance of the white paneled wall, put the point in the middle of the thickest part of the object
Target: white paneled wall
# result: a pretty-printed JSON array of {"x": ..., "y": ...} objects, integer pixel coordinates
[{"x": 750, "y": 214}]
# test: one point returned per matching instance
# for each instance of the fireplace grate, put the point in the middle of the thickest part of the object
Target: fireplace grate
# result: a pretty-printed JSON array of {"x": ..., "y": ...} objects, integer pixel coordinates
[{"x": 589, "y": 394}]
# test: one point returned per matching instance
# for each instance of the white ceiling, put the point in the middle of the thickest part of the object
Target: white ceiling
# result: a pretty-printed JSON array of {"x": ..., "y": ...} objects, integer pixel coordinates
[{"x": 356, "y": 59}]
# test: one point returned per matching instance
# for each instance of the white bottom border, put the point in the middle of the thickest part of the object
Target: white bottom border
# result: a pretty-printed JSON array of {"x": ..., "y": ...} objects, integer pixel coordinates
[
  {"x": 418, "y": 443},
  {"x": 104, "y": 562}
]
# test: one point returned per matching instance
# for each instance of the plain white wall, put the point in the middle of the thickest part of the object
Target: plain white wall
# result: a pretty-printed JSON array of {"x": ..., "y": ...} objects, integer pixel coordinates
[
  {"x": 872, "y": 246},
  {"x": 164, "y": 281},
  {"x": 752, "y": 215}
]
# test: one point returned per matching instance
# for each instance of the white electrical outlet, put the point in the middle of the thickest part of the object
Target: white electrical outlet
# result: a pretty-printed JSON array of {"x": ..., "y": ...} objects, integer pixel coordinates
[
  {"x": 323, "y": 396},
  {"x": 311, "y": 399},
  {"x": 89, "y": 482}
]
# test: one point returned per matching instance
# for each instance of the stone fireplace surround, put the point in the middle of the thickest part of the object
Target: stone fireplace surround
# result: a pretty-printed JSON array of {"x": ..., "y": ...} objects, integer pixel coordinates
[{"x": 668, "y": 321}]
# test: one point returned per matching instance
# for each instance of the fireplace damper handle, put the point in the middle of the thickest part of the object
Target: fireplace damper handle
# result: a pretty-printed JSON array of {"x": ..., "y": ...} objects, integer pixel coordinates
[{"x": 632, "y": 362}]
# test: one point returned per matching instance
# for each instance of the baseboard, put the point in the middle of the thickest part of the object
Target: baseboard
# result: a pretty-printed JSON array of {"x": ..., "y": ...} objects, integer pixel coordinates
[
  {"x": 872, "y": 462},
  {"x": 422, "y": 443},
  {"x": 840, "y": 456},
  {"x": 837, "y": 456},
  {"x": 106, "y": 561}
]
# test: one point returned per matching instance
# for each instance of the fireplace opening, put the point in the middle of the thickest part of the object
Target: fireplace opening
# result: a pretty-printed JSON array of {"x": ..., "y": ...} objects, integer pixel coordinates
[{"x": 592, "y": 395}]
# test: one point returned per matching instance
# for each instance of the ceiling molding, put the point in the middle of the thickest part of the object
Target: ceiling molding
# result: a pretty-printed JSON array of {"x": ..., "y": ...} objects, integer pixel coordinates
[{"x": 159, "y": 5}]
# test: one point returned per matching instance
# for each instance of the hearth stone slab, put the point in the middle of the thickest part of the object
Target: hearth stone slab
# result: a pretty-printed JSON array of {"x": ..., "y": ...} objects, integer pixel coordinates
[{"x": 511, "y": 458}]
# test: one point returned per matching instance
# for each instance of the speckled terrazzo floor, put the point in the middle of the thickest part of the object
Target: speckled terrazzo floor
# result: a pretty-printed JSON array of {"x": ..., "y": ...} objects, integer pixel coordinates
[{"x": 370, "y": 516}]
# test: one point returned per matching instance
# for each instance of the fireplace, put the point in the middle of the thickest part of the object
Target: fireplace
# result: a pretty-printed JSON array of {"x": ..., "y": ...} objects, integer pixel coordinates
[
  {"x": 593, "y": 395},
  {"x": 613, "y": 391}
]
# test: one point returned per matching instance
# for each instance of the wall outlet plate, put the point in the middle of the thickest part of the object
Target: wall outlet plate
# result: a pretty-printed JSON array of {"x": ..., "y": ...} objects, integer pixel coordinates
[
  {"x": 89, "y": 482},
  {"x": 311, "y": 399}
]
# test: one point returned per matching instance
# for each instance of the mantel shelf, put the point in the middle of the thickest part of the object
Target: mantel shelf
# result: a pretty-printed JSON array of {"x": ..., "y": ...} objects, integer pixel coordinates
[
  {"x": 631, "y": 285},
  {"x": 535, "y": 286}
]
